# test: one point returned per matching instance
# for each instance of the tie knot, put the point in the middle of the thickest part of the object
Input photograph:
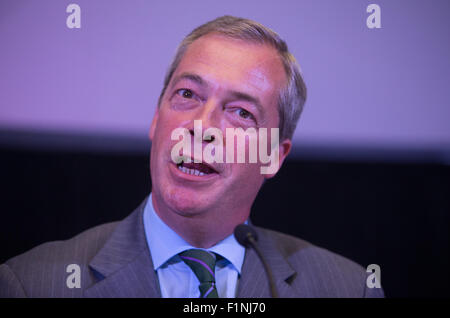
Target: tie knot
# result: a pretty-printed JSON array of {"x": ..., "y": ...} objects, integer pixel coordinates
[{"x": 201, "y": 262}]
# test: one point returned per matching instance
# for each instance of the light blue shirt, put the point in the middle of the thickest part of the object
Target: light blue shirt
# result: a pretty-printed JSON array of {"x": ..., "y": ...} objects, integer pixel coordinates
[{"x": 176, "y": 279}]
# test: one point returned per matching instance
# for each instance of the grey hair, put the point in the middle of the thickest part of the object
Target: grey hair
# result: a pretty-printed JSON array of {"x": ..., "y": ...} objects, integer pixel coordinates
[{"x": 292, "y": 96}]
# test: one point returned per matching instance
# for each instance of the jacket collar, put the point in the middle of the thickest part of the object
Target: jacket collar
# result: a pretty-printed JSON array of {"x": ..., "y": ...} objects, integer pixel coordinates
[
  {"x": 123, "y": 267},
  {"x": 254, "y": 282}
]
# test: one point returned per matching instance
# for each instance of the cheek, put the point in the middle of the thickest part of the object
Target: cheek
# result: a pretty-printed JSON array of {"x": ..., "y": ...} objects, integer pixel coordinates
[
  {"x": 247, "y": 181},
  {"x": 167, "y": 123},
  {"x": 247, "y": 173},
  {"x": 240, "y": 148}
]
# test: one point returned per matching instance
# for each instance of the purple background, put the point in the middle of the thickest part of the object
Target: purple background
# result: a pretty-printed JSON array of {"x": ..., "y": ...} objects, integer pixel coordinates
[{"x": 384, "y": 87}]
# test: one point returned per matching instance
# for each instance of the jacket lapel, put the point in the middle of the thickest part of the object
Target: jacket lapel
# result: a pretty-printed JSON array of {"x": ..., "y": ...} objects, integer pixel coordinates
[
  {"x": 254, "y": 283},
  {"x": 123, "y": 267}
]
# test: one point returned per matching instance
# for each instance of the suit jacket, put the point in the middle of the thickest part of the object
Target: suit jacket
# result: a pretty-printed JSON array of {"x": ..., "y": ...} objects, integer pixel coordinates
[{"x": 115, "y": 261}]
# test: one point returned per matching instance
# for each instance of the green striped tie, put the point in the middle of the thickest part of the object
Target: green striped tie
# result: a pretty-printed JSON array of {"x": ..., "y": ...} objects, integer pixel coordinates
[{"x": 202, "y": 263}]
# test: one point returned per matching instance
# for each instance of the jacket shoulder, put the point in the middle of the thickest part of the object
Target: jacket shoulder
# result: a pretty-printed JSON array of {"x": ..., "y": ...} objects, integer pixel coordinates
[
  {"x": 292, "y": 247},
  {"x": 320, "y": 271},
  {"x": 49, "y": 262}
]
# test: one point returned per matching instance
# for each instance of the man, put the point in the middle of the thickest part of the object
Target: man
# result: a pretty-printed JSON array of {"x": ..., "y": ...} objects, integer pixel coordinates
[{"x": 230, "y": 73}]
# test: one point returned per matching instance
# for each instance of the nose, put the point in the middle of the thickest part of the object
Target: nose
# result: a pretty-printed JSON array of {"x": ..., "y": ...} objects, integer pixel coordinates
[
  {"x": 209, "y": 116},
  {"x": 208, "y": 139}
]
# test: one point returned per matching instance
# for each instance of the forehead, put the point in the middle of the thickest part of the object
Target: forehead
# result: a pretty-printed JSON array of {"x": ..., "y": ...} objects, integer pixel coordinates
[{"x": 228, "y": 63}]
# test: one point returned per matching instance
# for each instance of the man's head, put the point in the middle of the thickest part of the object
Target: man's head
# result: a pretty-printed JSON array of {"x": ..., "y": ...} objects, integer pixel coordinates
[
  {"x": 292, "y": 96},
  {"x": 228, "y": 73}
]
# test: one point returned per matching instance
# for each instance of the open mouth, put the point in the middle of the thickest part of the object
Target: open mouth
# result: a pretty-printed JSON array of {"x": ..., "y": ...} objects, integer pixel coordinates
[{"x": 196, "y": 169}]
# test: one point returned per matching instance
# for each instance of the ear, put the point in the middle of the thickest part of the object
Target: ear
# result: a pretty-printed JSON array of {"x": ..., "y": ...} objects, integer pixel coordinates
[
  {"x": 283, "y": 150},
  {"x": 151, "y": 133}
]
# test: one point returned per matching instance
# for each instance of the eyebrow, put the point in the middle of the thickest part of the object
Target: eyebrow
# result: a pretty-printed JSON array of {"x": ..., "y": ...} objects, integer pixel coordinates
[
  {"x": 189, "y": 76},
  {"x": 234, "y": 94},
  {"x": 248, "y": 98}
]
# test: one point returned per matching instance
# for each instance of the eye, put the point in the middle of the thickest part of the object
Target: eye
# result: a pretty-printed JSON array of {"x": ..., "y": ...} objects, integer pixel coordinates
[
  {"x": 244, "y": 114},
  {"x": 186, "y": 93}
]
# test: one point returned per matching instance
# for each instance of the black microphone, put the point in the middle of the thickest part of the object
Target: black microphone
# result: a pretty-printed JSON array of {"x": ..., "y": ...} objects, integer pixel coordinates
[{"x": 247, "y": 237}]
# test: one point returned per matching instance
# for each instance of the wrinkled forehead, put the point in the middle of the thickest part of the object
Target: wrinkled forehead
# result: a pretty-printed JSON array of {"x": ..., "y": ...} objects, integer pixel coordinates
[{"x": 227, "y": 61}]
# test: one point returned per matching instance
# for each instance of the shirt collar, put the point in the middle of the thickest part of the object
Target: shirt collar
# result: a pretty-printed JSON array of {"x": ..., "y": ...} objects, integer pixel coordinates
[{"x": 164, "y": 243}]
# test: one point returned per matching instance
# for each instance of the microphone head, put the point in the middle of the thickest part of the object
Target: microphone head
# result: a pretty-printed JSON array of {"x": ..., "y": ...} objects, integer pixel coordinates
[{"x": 244, "y": 235}]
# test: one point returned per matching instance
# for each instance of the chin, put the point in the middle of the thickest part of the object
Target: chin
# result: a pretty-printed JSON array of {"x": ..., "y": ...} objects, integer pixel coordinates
[{"x": 185, "y": 202}]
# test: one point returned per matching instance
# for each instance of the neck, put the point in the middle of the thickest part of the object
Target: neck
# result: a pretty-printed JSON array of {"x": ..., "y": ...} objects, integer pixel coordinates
[{"x": 202, "y": 230}]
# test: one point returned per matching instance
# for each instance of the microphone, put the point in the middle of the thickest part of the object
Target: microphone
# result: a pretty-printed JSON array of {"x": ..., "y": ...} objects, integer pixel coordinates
[{"x": 247, "y": 237}]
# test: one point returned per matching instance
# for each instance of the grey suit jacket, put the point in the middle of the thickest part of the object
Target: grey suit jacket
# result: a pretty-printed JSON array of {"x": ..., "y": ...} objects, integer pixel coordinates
[{"x": 115, "y": 261}]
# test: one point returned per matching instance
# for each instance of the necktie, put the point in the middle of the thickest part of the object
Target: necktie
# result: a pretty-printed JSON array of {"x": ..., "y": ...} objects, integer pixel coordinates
[{"x": 202, "y": 263}]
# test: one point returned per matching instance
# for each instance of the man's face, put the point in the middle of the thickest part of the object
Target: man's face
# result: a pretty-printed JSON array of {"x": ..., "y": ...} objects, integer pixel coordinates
[{"x": 225, "y": 83}]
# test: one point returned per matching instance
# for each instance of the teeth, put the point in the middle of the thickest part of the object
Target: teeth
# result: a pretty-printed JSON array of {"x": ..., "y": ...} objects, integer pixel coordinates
[{"x": 191, "y": 171}]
